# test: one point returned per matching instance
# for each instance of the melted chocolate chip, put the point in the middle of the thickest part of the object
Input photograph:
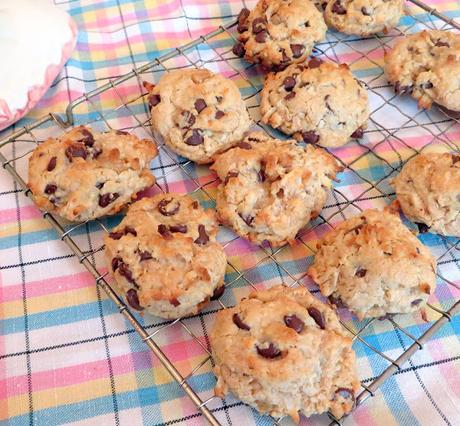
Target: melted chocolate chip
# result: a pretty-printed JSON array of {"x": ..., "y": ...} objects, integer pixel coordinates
[
  {"x": 174, "y": 301},
  {"x": 284, "y": 57},
  {"x": 88, "y": 138},
  {"x": 239, "y": 323},
  {"x": 294, "y": 322},
  {"x": 231, "y": 174},
  {"x": 358, "y": 133},
  {"x": 317, "y": 315},
  {"x": 106, "y": 199},
  {"x": 219, "y": 114},
  {"x": 261, "y": 37},
  {"x": 297, "y": 50},
  {"x": 239, "y": 50},
  {"x": 338, "y": 8},
  {"x": 290, "y": 95},
  {"x": 400, "y": 89},
  {"x": 416, "y": 302},
  {"x": 200, "y": 105},
  {"x": 178, "y": 228},
  {"x": 365, "y": 11},
  {"x": 116, "y": 261},
  {"x": 164, "y": 231},
  {"x": 76, "y": 150},
  {"x": 154, "y": 100},
  {"x": 361, "y": 272},
  {"x": 441, "y": 43},
  {"x": 50, "y": 188},
  {"x": 336, "y": 301},
  {"x": 167, "y": 207},
  {"x": 124, "y": 271},
  {"x": 270, "y": 352},
  {"x": 261, "y": 175},
  {"x": 202, "y": 236},
  {"x": 246, "y": 218},
  {"x": 422, "y": 228},
  {"x": 345, "y": 393},
  {"x": 310, "y": 137},
  {"x": 289, "y": 83},
  {"x": 195, "y": 139},
  {"x": 52, "y": 164},
  {"x": 144, "y": 255},
  {"x": 315, "y": 63},
  {"x": 189, "y": 118},
  {"x": 99, "y": 185},
  {"x": 121, "y": 133},
  {"x": 258, "y": 25},
  {"x": 219, "y": 291},
  {"x": 133, "y": 299},
  {"x": 130, "y": 230},
  {"x": 116, "y": 235},
  {"x": 244, "y": 145},
  {"x": 242, "y": 18}
]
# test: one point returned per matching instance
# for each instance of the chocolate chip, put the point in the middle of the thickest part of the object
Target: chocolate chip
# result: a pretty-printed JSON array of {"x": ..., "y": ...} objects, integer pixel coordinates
[
  {"x": 338, "y": 8},
  {"x": 246, "y": 218},
  {"x": 97, "y": 152},
  {"x": 336, "y": 301},
  {"x": 455, "y": 158},
  {"x": 261, "y": 37},
  {"x": 361, "y": 272},
  {"x": 261, "y": 175},
  {"x": 400, "y": 89},
  {"x": 52, "y": 164},
  {"x": 116, "y": 235},
  {"x": 289, "y": 83},
  {"x": 133, "y": 299},
  {"x": 284, "y": 57},
  {"x": 202, "y": 236},
  {"x": 315, "y": 63},
  {"x": 195, "y": 139},
  {"x": 99, "y": 185},
  {"x": 75, "y": 150},
  {"x": 164, "y": 231},
  {"x": 297, "y": 50},
  {"x": 124, "y": 271},
  {"x": 317, "y": 316},
  {"x": 219, "y": 114},
  {"x": 88, "y": 138},
  {"x": 345, "y": 393},
  {"x": 116, "y": 262},
  {"x": 239, "y": 50},
  {"x": 427, "y": 85},
  {"x": 270, "y": 352},
  {"x": 154, "y": 100},
  {"x": 231, "y": 174},
  {"x": 178, "y": 228},
  {"x": 258, "y": 25},
  {"x": 195, "y": 204},
  {"x": 294, "y": 322},
  {"x": 121, "y": 133},
  {"x": 242, "y": 18},
  {"x": 422, "y": 227},
  {"x": 365, "y": 11},
  {"x": 290, "y": 96},
  {"x": 200, "y": 105},
  {"x": 310, "y": 137},
  {"x": 416, "y": 302},
  {"x": 244, "y": 145},
  {"x": 130, "y": 230},
  {"x": 441, "y": 43},
  {"x": 358, "y": 133},
  {"x": 106, "y": 199},
  {"x": 219, "y": 291},
  {"x": 189, "y": 118},
  {"x": 219, "y": 99},
  {"x": 239, "y": 323},
  {"x": 174, "y": 301},
  {"x": 144, "y": 255},
  {"x": 50, "y": 188},
  {"x": 167, "y": 207}
]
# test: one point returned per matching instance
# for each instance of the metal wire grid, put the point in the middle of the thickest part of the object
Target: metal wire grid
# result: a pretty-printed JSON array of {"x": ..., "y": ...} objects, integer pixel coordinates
[{"x": 211, "y": 50}]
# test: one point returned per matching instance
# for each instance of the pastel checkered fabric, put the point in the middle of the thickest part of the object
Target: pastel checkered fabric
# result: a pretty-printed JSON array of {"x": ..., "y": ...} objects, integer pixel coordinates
[{"x": 66, "y": 353}]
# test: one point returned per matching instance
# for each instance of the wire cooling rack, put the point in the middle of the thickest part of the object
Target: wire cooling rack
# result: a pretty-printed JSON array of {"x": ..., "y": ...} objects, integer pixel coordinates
[{"x": 397, "y": 131}]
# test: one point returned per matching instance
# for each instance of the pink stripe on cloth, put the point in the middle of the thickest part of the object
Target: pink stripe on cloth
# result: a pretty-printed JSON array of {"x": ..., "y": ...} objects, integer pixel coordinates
[{"x": 27, "y": 212}]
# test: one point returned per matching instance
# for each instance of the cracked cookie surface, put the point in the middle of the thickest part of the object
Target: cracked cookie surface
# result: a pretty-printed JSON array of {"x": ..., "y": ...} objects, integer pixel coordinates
[
  {"x": 319, "y": 102},
  {"x": 164, "y": 256},
  {"x": 427, "y": 65},
  {"x": 197, "y": 113},
  {"x": 284, "y": 352},
  {"x": 428, "y": 192},
  {"x": 279, "y": 32},
  {"x": 374, "y": 265},
  {"x": 272, "y": 188},
  {"x": 84, "y": 174},
  {"x": 363, "y": 17}
]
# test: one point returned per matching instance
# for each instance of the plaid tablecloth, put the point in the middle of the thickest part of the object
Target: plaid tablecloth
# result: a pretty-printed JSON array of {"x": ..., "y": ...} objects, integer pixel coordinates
[{"x": 68, "y": 356}]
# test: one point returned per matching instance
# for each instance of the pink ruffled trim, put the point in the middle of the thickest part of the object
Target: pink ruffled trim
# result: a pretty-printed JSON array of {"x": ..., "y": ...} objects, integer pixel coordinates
[{"x": 8, "y": 117}]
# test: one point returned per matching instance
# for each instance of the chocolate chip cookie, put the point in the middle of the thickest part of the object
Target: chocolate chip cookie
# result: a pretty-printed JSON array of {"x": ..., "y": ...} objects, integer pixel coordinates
[
  {"x": 277, "y": 33},
  {"x": 363, "y": 17},
  {"x": 428, "y": 191},
  {"x": 374, "y": 265},
  {"x": 284, "y": 353},
  {"x": 84, "y": 174},
  {"x": 198, "y": 113},
  {"x": 427, "y": 65},
  {"x": 272, "y": 188},
  {"x": 165, "y": 258},
  {"x": 319, "y": 102}
]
